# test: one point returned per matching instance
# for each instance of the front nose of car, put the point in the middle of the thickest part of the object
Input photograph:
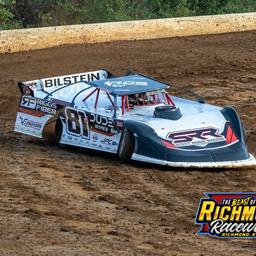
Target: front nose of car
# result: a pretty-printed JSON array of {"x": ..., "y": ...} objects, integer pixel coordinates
[{"x": 234, "y": 152}]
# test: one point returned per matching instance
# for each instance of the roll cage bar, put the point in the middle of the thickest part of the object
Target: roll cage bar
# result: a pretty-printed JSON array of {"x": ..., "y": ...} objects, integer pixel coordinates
[{"x": 125, "y": 100}]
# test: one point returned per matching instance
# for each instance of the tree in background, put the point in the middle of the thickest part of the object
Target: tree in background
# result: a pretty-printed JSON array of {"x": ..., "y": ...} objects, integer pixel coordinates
[
  {"x": 33, "y": 13},
  {"x": 7, "y": 18}
]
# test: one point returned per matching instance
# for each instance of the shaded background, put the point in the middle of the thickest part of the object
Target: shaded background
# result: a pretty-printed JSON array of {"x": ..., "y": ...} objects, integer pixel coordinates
[{"x": 37, "y": 13}]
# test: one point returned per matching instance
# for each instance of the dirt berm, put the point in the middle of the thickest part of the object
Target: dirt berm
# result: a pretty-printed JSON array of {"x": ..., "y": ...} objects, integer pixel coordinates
[{"x": 57, "y": 201}]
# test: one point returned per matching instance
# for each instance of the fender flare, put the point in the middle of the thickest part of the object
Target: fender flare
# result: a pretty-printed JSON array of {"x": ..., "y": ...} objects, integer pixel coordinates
[
  {"x": 232, "y": 116},
  {"x": 147, "y": 142}
]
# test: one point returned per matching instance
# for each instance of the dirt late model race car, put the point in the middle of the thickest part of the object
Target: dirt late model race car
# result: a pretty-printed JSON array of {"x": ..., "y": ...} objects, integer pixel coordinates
[{"x": 134, "y": 117}]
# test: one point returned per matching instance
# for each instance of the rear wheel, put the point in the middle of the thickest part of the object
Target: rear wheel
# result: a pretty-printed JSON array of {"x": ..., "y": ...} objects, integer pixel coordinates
[
  {"x": 126, "y": 146},
  {"x": 58, "y": 131}
]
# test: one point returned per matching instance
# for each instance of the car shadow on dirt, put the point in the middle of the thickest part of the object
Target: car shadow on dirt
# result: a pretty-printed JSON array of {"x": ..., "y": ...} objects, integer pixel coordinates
[{"x": 53, "y": 147}]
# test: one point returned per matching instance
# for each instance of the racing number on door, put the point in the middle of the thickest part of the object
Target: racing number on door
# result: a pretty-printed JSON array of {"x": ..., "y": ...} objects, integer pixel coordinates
[{"x": 77, "y": 123}]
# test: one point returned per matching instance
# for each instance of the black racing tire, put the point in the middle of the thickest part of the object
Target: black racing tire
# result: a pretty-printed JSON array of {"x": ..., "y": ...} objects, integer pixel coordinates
[
  {"x": 126, "y": 146},
  {"x": 58, "y": 131}
]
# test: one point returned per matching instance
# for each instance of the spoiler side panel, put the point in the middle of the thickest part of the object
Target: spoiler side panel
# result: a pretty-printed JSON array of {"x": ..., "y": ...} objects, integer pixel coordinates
[
  {"x": 34, "y": 113},
  {"x": 30, "y": 124}
]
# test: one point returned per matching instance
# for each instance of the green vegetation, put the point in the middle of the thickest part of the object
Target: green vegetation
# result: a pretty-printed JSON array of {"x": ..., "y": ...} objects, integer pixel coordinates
[{"x": 34, "y": 13}]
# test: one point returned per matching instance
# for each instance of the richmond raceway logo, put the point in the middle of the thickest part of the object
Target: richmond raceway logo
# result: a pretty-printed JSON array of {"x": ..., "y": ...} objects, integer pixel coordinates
[
  {"x": 197, "y": 137},
  {"x": 227, "y": 215}
]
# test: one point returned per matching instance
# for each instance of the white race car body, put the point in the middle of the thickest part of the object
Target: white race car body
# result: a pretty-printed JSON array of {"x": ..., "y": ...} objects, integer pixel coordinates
[{"x": 92, "y": 109}]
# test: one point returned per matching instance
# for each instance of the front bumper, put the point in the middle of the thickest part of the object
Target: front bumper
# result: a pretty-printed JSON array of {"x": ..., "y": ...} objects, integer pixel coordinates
[{"x": 221, "y": 164}]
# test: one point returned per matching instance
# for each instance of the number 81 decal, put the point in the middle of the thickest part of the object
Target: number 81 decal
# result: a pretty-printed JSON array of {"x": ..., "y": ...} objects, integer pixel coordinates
[{"x": 77, "y": 123}]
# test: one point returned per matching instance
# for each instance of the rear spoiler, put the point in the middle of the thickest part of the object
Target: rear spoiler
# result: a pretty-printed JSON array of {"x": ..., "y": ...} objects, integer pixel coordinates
[{"x": 51, "y": 84}]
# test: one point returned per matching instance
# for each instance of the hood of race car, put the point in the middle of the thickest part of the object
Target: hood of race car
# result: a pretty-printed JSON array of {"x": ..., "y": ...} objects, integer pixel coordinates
[{"x": 198, "y": 129}]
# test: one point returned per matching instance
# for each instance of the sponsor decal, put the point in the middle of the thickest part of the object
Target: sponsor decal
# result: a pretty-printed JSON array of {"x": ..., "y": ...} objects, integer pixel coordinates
[
  {"x": 106, "y": 141},
  {"x": 227, "y": 215},
  {"x": 29, "y": 102},
  {"x": 95, "y": 137},
  {"x": 30, "y": 123},
  {"x": 196, "y": 137},
  {"x": 101, "y": 123},
  {"x": 26, "y": 90},
  {"x": 118, "y": 84},
  {"x": 113, "y": 131},
  {"x": 119, "y": 124},
  {"x": 31, "y": 85},
  {"x": 44, "y": 106},
  {"x": 109, "y": 142},
  {"x": 69, "y": 137},
  {"x": 67, "y": 80}
]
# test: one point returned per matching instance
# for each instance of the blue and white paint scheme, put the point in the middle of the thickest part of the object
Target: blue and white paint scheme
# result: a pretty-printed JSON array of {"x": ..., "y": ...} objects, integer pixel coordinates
[{"x": 93, "y": 109}]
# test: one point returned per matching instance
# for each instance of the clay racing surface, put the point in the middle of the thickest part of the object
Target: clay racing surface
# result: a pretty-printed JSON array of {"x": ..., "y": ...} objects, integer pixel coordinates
[{"x": 64, "y": 201}]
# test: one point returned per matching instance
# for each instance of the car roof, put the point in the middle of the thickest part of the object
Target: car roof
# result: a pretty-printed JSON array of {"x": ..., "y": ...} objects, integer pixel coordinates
[{"x": 130, "y": 84}]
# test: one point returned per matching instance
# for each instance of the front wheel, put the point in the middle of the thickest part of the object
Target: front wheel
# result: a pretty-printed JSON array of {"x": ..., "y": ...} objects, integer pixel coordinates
[{"x": 126, "y": 146}]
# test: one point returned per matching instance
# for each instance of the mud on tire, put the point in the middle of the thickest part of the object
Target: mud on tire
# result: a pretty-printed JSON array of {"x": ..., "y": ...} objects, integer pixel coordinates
[
  {"x": 126, "y": 146},
  {"x": 58, "y": 130}
]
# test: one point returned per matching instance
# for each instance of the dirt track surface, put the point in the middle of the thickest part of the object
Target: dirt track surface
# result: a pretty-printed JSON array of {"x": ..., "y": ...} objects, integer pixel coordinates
[{"x": 56, "y": 201}]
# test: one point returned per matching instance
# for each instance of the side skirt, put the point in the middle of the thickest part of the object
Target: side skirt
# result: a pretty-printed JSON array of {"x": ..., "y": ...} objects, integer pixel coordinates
[{"x": 228, "y": 164}]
